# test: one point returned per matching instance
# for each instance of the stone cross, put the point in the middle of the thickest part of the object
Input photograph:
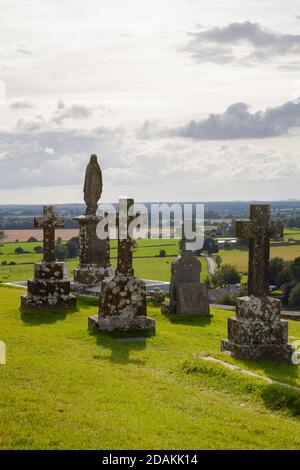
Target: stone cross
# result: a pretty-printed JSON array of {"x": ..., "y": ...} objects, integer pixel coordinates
[
  {"x": 49, "y": 222},
  {"x": 125, "y": 240},
  {"x": 259, "y": 229}
]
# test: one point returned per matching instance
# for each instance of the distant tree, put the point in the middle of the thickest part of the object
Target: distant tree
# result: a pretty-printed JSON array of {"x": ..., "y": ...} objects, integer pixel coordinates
[
  {"x": 162, "y": 253},
  {"x": 295, "y": 269},
  {"x": 32, "y": 239},
  {"x": 38, "y": 249},
  {"x": 284, "y": 277},
  {"x": 61, "y": 251},
  {"x": 294, "y": 297},
  {"x": 210, "y": 246},
  {"x": 72, "y": 249},
  {"x": 286, "y": 290},
  {"x": 226, "y": 275},
  {"x": 276, "y": 266},
  {"x": 19, "y": 250},
  {"x": 218, "y": 261}
]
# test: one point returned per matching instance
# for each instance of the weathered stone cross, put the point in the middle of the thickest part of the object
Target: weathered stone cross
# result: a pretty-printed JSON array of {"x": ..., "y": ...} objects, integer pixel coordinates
[
  {"x": 125, "y": 241},
  {"x": 259, "y": 229},
  {"x": 49, "y": 222}
]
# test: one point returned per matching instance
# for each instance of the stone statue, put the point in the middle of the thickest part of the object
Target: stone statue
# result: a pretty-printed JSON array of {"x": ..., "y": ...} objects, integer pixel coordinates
[{"x": 92, "y": 186}]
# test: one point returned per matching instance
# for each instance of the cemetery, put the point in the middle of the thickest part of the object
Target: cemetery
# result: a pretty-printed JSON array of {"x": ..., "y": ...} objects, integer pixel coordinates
[
  {"x": 149, "y": 231},
  {"x": 83, "y": 342}
]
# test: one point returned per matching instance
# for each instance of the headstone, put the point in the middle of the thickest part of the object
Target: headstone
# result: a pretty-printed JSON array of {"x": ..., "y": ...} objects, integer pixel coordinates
[
  {"x": 94, "y": 252},
  {"x": 49, "y": 288},
  {"x": 188, "y": 296},
  {"x": 123, "y": 297},
  {"x": 257, "y": 330}
]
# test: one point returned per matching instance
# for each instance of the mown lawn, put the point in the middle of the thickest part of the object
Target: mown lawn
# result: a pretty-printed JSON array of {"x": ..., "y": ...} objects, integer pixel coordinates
[{"x": 63, "y": 387}]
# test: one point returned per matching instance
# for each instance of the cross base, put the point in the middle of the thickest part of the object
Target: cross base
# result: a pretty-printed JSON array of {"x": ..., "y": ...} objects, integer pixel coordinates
[
  {"x": 122, "y": 306},
  {"x": 257, "y": 331},
  {"x": 90, "y": 275},
  {"x": 121, "y": 324},
  {"x": 48, "y": 289},
  {"x": 279, "y": 353}
]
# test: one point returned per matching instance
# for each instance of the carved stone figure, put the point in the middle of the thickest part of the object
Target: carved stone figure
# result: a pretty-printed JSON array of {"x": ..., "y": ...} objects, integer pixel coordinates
[{"x": 92, "y": 186}]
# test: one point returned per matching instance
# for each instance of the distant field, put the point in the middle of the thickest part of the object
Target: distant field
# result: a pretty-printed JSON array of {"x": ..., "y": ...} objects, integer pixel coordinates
[
  {"x": 239, "y": 258},
  {"x": 292, "y": 233},
  {"x": 23, "y": 235},
  {"x": 147, "y": 263}
]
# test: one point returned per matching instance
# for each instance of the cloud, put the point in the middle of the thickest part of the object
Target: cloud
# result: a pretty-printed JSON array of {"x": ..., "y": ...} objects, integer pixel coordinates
[
  {"x": 58, "y": 158},
  {"x": 242, "y": 44},
  {"x": 74, "y": 111},
  {"x": 21, "y": 104},
  {"x": 237, "y": 122}
]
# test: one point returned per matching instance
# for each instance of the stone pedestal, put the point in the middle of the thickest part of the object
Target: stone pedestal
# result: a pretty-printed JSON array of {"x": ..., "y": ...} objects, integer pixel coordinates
[
  {"x": 257, "y": 331},
  {"x": 122, "y": 306},
  {"x": 49, "y": 289},
  {"x": 94, "y": 255},
  {"x": 188, "y": 296}
]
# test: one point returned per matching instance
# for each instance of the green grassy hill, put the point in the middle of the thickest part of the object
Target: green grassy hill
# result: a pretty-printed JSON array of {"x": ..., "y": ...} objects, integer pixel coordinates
[{"x": 63, "y": 387}]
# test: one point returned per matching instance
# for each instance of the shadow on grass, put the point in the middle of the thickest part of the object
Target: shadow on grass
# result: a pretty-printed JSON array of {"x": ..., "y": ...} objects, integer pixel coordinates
[
  {"x": 52, "y": 315},
  {"x": 193, "y": 320},
  {"x": 280, "y": 371},
  {"x": 274, "y": 397},
  {"x": 44, "y": 316},
  {"x": 121, "y": 345}
]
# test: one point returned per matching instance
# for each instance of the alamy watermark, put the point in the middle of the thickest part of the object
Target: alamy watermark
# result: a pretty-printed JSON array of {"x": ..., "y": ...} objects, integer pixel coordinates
[
  {"x": 184, "y": 221},
  {"x": 2, "y": 353},
  {"x": 296, "y": 354}
]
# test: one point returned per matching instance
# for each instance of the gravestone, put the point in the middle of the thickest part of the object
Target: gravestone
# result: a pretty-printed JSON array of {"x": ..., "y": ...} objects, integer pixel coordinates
[
  {"x": 123, "y": 297},
  {"x": 94, "y": 252},
  {"x": 48, "y": 288},
  {"x": 188, "y": 296},
  {"x": 257, "y": 330}
]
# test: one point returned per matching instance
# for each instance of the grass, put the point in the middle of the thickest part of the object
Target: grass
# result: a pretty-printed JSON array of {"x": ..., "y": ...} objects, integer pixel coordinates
[
  {"x": 153, "y": 267},
  {"x": 292, "y": 233},
  {"x": 63, "y": 387},
  {"x": 239, "y": 258}
]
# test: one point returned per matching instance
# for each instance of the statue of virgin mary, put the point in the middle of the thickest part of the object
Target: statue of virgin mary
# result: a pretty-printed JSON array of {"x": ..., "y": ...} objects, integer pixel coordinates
[{"x": 92, "y": 186}]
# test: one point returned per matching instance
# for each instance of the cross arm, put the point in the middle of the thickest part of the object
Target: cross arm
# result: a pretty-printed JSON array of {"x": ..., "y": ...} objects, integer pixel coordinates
[{"x": 276, "y": 229}]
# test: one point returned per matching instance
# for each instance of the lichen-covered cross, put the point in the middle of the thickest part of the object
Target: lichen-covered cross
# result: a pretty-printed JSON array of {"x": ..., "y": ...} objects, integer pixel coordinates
[
  {"x": 125, "y": 239},
  {"x": 260, "y": 229},
  {"x": 49, "y": 222}
]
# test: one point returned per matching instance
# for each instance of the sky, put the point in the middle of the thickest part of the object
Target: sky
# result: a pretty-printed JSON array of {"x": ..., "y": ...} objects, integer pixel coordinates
[{"x": 182, "y": 100}]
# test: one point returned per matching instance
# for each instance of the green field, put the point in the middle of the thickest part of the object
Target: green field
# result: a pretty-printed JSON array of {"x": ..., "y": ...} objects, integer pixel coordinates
[
  {"x": 147, "y": 263},
  {"x": 63, "y": 387},
  {"x": 292, "y": 233},
  {"x": 239, "y": 258}
]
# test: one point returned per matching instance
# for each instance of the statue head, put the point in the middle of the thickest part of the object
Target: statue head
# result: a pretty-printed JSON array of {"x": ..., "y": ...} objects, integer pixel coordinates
[{"x": 93, "y": 159}]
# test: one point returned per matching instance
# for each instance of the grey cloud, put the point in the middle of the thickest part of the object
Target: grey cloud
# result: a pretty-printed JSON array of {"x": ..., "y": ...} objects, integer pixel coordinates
[
  {"x": 21, "y": 104},
  {"x": 23, "y": 51},
  {"x": 26, "y": 160},
  {"x": 221, "y": 45},
  {"x": 74, "y": 111},
  {"x": 237, "y": 122}
]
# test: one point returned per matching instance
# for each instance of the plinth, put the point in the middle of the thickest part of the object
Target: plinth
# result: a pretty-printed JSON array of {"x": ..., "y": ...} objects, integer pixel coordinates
[
  {"x": 48, "y": 288},
  {"x": 94, "y": 255},
  {"x": 257, "y": 331},
  {"x": 122, "y": 306}
]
